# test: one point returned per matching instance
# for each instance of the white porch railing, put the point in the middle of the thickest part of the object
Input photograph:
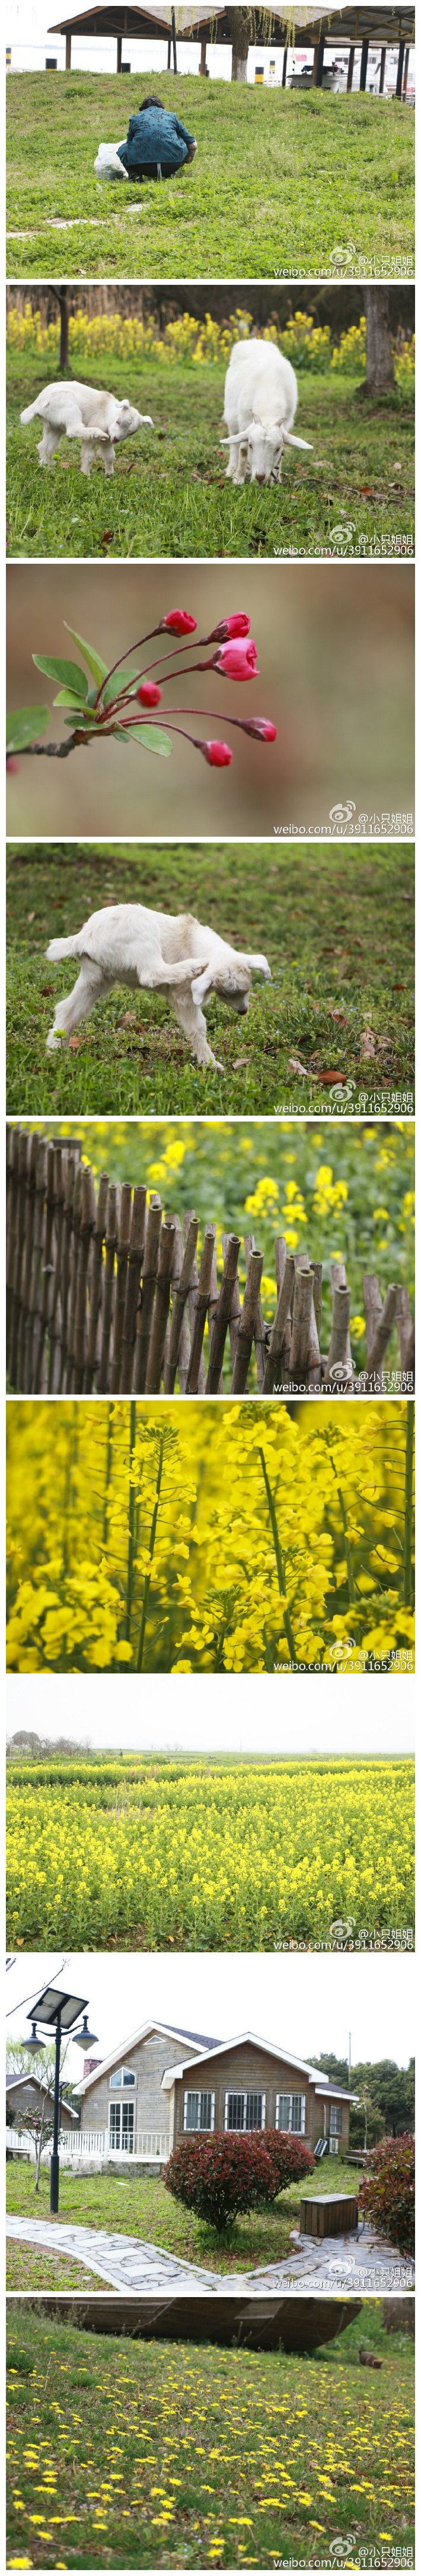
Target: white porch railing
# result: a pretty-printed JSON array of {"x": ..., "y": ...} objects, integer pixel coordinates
[{"x": 80, "y": 2145}]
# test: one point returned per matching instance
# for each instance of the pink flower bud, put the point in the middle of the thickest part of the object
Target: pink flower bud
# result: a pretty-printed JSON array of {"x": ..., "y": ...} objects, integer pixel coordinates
[
  {"x": 178, "y": 622},
  {"x": 238, "y": 661},
  {"x": 217, "y": 754},
  {"x": 229, "y": 626},
  {"x": 259, "y": 725},
  {"x": 149, "y": 694}
]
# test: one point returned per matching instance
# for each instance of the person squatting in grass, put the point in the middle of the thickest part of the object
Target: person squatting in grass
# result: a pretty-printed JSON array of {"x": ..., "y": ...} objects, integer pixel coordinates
[{"x": 157, "y": 145}]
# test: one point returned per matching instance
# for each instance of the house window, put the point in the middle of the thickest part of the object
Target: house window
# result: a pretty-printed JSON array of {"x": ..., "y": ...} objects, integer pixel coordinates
[
  {"x": 290, "y": 2112},
  {"x": 199, "y": 2110},
  {"x": 123, "y": 2080},
  {"x": 336, "y": 2119},
  {"x": 122, "y": 2127},
  {"x": 245, "y": 2110}
]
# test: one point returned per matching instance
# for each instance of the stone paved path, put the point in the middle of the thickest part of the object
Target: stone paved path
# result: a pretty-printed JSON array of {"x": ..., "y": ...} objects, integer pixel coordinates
[
  {"x": 363, "y": 2262},
  {"x": 335, "y": 2263},
  {"x": 124, "y": 2260}
]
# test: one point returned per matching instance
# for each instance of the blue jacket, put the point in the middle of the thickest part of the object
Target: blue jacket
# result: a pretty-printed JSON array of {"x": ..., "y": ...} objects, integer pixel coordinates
[{"x": 154, "y": 136}]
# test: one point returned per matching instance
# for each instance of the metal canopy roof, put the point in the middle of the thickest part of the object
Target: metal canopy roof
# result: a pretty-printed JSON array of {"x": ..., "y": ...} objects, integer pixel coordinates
[{"x": 346, "y": 26}]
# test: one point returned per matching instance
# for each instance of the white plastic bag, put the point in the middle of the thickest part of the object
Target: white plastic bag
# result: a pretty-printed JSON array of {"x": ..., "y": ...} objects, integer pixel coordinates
[{"x": 107, "y": 164}]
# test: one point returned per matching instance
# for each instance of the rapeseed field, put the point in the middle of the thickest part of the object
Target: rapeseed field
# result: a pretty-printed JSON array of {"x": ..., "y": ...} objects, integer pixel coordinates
[
  {"x": 155, "y": 1538},
  {"x": 207, "y": 1855}
]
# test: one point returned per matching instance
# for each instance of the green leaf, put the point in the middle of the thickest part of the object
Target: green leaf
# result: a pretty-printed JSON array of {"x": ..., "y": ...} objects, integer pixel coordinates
[
  {"x": 23, "y": 727},
  {"x": 68, "y": 672},
  {"x": 70, "y": 698},
  {"x": 99, "y": 669},
  {"x": 151, "y": 738},
  {"x": 116, "y": 686}
]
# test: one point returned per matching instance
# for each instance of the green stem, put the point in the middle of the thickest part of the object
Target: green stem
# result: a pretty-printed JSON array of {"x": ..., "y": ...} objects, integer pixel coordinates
[
  {"x": 108, "y": 1464},
  {"x": 349, "y": 1565},
  {"x": 407, "y": 1546},
  {"x": 148, "y": 1577},
  {"x": 132, "y": 1520},
  {"x": 220, "y": 1642},
  {"x": 280, "y": 1563}
]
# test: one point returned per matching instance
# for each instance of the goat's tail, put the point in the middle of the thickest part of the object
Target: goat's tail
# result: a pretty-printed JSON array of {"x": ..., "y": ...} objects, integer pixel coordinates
[
  {"x": 63, "y": 948},
  {"x": 30, "y": 413}
]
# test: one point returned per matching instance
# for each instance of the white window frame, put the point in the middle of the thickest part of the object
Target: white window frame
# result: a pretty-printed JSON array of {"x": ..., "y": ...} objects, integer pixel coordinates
[
  {"x": 289, "y": 2127},
  {"x": 199, "y": 2128},
  {"x": 123, "y": 2080},
  {"x": 245, "y": 2129},
  {"x": 121, "y": 2146}
]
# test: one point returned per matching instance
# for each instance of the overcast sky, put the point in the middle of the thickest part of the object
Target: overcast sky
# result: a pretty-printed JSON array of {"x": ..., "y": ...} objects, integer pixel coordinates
[
  {"x": 239, "y": 1713},
  {"x": 28, "y": 24},
  {"x": 308, "y": 2004}
]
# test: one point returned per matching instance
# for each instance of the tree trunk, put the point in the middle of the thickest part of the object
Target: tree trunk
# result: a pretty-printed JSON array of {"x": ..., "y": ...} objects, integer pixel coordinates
[
  {"x": 380, "y": 369},
  {"x": 239, "y": 28}
]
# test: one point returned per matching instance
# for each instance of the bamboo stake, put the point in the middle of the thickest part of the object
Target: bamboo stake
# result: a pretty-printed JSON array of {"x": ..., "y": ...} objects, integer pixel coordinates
[
  {"x": 381, "y": 1330},
  {"x": 247, "y": 1324},
  {"x": 194, "y": 1283},
  {"x": 235, "y": 1312},
  {"x": 301, "y": 1324},
  {"x": 120, "y": 1283},
  {"x": 144, "y": 1319},
  {"x": 74, "y": 1262},
  {"x": 179, "y": 1349},
  {"x": 66, "y": 1261},
  {"x": 202, "y": 1303},
  {"x": 95, "y": 1294},
  {"x": 23, "y": 1141},
  {"x": 134, "y": 1266},
  {"x": 260, "y": 1327},
  {"x": 406, "y": 1331},
  {"x": 337, "y": 1366},
  {"x": 276, "y": 1352},
  {"x": 222, "y": 1316},
  {"x": 110, "y": 1245},
  {"x": 22, "y": 1377},
  {"x": 12, "y": 1163},
  {"x": 87, "y": 1223},
  {"x": 161, "y": 1307},
  {"x": 54, "y": 1327}
]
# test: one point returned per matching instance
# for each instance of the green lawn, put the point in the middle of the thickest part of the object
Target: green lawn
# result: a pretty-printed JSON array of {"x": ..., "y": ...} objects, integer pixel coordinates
[
  {"x": 139, "y": 2205},
  {"x": 131, "y": 2454},
  {"x": 279, "y": 185},
  {"x": 169, "y": 494},
  {"x": 337, "y": 927},
  {"x": 29, "y": 2267}
]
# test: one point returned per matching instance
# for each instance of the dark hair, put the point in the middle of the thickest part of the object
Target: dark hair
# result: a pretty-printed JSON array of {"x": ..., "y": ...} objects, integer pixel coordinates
[{"x": 149, "y": 102}]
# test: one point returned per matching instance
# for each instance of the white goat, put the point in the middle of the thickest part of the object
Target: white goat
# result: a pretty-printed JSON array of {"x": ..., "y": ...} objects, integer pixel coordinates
[
  {"x": 261, "y": 395},
  {"x": 80, "y": 411},
  {"x": 128, "y": 944}
]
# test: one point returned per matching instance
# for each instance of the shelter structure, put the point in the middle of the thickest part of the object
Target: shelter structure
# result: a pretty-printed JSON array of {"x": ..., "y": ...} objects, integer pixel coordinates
[{"x": 351, "y": 28}]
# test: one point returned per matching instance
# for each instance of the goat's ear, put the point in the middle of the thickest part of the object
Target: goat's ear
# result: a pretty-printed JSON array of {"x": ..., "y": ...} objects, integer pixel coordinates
[{"x": 297, "y": 442}]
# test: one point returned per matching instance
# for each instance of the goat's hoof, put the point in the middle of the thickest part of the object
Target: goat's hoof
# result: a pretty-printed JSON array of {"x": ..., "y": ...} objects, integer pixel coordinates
[{"x": 56, "y": 1038}]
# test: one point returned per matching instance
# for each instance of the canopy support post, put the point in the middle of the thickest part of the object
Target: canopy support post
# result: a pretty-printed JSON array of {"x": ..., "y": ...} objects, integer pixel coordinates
[
  {"x": 351, "y": 66},
  {"x": 203, "y": 56},
  {"x": 69, "y": 50},
  {"x": 364, "y": 61},
  {"x": 382, "y": 70},
  {"x": 119, "y": 46},
  {"x": 174, "y": 46},
  {"x": 405, "y": 73},
  {"x": 399, "y": 75},
  {"x": 284, "y": 68}
]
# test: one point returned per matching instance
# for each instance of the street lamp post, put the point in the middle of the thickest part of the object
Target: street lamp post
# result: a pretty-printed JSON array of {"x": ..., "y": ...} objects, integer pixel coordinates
[{"x": 59, "y": 2012}]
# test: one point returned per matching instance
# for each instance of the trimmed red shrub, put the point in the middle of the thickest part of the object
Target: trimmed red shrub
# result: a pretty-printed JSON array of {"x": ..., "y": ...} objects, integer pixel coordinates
[
  {"x": 290, "y": 2157},
  {"x": 387, "y": 2191},
  {"x": 222, "y": 2176}
]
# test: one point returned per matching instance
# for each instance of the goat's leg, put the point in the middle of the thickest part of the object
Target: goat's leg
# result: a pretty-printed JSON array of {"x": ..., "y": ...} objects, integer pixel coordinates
[
  {"x": 194, "y": 1024},
  {"x": 232, "y": 466},
  {"x": 48, "y": 443},
  {"x": 155, "y": 974},
  {"x": 90, "y": 987},
  {"x": 106, "y": 457}
]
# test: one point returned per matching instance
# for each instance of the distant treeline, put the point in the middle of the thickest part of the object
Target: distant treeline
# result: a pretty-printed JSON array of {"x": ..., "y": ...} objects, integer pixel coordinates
[{"x": 339, "y": 306}]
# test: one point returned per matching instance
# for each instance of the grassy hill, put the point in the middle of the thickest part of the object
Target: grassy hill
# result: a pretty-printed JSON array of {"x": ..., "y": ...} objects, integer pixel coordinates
[
  {"x": 208, "y": 2457},
  {"x": 281, "y": 184}
]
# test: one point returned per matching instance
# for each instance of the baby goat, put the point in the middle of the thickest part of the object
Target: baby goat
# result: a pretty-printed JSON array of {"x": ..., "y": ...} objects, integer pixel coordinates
[
  {"x": 128, "y": 944},
  {"x": 79, "y": 411}
]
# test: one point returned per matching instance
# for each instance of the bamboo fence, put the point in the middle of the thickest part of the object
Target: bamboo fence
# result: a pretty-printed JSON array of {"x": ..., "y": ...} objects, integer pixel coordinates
[{"x": 105, "y": 1297}]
